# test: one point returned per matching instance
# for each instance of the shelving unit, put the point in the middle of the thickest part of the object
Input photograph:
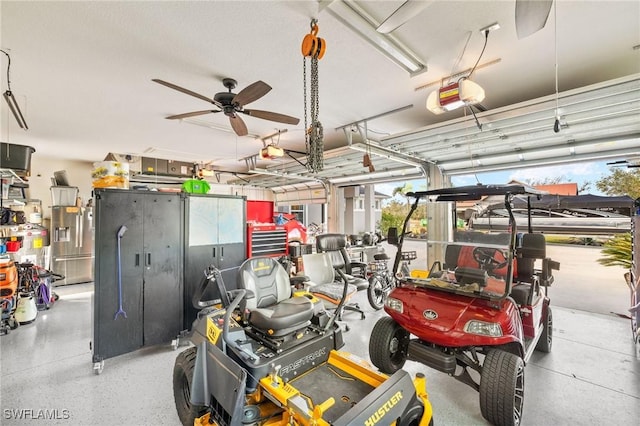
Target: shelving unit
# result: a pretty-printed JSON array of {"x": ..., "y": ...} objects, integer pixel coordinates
[{"x": 34, "y": 239}]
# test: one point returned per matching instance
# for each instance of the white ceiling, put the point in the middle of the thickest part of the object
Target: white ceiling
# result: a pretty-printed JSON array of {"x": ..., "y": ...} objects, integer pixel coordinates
[{"x": 81, "y": 71}]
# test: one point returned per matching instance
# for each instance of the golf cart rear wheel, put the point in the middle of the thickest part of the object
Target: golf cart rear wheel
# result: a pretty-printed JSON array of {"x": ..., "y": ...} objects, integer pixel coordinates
[
  {"x": 182, "y": 377},
  {"x": 375, "y": 292},
  {"x": 546, "y": 339},
  {"x": 502, "y": 388},
  {"x": 388, "y": 345}
]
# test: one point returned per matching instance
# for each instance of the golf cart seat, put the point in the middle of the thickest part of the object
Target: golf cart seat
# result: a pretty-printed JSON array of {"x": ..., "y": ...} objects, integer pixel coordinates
[
  {"x": 529, "y": 248},
  {"x": 271, "y": 308},
  {"x": 335, "y": 245}
]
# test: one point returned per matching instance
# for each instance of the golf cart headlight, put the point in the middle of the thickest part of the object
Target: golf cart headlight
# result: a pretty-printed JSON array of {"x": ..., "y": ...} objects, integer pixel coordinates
[
  {"x": 394, "y": 304},
  {"x": 482, "y": 328}
]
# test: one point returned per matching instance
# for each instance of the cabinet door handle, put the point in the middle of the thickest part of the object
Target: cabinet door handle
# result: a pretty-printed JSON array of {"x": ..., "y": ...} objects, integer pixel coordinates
[
  {"x": 137, "y": 259},
  {"x": 221, "y": 251},
  {"x": 148, "y": 259},
  {"x": 214, "y": 252}
]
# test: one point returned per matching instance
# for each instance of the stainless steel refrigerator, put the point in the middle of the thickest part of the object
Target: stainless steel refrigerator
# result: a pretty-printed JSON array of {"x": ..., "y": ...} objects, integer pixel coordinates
[{"x": 72, "y": 247}]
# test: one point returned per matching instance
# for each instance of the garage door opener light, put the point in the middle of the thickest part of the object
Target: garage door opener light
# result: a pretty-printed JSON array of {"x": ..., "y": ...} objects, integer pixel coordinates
[{"x": 454, "y": 96}]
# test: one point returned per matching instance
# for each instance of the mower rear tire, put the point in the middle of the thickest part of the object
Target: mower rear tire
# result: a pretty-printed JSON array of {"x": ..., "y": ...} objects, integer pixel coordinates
[
  {"x": 182, "y": 377},
  {"x": 502, "y": 388},
  {"x": 546, "y": 339},
  {"x": 388, "y": 345}
]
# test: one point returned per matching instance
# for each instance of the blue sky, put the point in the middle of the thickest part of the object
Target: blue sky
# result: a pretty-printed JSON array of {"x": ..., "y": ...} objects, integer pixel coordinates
[{"x": 576, "y": 172}]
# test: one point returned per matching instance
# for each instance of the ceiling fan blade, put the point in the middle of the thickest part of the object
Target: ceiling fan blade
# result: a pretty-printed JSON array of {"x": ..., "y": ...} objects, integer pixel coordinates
[
  {"x": 272, "y": 116},
  {"x": 531, "y": 16},
  {"x": 183, "y": 90},
  {"x": 190, "y": 114},
  {"x": 251, "y": 93},
  {"x": 401, "y": 15},
  {"x": 238, "y": 125}
]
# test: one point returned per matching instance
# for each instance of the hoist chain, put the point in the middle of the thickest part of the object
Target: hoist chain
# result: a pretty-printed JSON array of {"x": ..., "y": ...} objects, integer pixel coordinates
[
  {"x": 307, "y": 138},
  {"x": 315, "y": 144}
]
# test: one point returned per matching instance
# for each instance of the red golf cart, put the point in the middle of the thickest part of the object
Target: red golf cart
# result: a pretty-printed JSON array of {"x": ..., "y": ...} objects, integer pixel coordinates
[{"x": 481, "y": 311}]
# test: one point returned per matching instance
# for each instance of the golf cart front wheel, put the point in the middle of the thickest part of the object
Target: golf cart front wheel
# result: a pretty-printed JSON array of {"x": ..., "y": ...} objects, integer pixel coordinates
[
  {"x": 388, "y": 345},
  {"x": 182, "y": 377},
  {"x": 502, "y": 388}
]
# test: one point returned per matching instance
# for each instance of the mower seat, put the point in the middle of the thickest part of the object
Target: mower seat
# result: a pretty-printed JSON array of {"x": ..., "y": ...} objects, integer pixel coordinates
[{"x": 271, "y": 308}]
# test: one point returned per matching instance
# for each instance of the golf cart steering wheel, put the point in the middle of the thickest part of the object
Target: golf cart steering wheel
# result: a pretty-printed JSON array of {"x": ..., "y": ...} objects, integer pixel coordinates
[{"x": 486, "y": 257}]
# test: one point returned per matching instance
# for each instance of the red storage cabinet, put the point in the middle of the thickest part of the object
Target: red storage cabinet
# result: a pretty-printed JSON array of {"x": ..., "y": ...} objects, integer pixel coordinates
[{"x": 266, "y": 240}]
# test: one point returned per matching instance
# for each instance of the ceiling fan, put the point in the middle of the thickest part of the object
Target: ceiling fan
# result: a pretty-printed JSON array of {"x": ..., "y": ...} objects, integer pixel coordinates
[
  {"x": 531, "y": 15},
  {"x": 232, "y": 104}
]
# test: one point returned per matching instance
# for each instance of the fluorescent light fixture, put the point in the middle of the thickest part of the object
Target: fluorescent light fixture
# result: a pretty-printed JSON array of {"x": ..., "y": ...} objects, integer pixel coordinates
[
  {"x": 15, "y": 109},
  {"x": 356, "y": 18},
  {"x": 454, "y": 96}
]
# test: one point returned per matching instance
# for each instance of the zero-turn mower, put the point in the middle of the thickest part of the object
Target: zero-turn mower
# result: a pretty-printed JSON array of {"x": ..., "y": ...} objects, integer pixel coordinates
[{"x": 265, "y": 354}]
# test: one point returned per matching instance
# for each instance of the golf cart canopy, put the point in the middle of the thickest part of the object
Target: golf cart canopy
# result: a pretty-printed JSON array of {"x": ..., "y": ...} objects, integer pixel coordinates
[{"x": 476, "y": 192}]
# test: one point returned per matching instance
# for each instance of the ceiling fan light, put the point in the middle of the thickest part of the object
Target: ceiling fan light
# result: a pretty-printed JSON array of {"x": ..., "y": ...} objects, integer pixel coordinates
[
  {"x": 271, "y": 152},
  {"x": 455, "y": 95}
]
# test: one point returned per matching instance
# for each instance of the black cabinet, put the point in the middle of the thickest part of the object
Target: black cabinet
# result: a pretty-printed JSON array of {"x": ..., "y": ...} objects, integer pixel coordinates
[
  {"x": 214, "y": 235},
  {"x": 150, "y": 258}
]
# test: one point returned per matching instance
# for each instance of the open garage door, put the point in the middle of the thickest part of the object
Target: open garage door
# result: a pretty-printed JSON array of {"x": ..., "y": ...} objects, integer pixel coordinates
[{"x": 302, "y": 193}]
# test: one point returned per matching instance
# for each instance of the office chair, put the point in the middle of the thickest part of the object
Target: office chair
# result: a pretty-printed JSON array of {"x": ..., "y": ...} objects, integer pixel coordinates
[
  {"x": 336, "y": 246},
  {"x": 326, "y": 283}
]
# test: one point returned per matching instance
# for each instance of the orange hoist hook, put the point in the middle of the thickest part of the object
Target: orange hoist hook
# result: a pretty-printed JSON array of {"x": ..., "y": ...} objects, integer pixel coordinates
[{"x": 311, "y": 44}]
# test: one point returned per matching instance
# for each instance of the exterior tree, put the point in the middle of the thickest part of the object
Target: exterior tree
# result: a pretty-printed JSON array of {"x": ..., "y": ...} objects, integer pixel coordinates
[
  {"x": 617, "y": 252},
  {"x": 621, "y": 182},
  {"x": 394, "y": 212}
]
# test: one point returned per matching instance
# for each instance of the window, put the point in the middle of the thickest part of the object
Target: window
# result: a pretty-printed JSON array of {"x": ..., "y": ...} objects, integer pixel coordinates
[{"x": 298, "y": 211}]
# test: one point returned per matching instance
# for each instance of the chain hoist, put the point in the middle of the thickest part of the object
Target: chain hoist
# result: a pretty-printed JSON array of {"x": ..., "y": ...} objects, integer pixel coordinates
[{"x": 313, "y": 47}]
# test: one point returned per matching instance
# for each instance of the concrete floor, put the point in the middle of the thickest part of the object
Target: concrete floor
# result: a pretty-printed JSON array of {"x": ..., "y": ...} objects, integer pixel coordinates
[{"x": 592, "y": 376}]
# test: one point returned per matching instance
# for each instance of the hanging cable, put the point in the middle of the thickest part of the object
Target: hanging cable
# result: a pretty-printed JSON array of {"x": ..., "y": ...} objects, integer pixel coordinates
[
  {"x": 8, "y": 68},
  {"x": 556, "y": 124},
  {"x": 486, "y": 38},
  {"x": 475, "y": 117},
  {"x": 11, "y": 100}
]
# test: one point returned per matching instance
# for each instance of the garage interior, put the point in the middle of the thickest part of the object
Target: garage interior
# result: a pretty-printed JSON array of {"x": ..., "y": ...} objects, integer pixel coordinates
[{"x": 82, "y": 74}]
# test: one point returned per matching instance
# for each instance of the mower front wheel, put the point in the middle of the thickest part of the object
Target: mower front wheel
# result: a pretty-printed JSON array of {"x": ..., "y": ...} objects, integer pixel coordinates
[
  {"x": 182, "y": 377},
  {"x": 388, "y": 345},
  {"x": 502, "y": 388}
]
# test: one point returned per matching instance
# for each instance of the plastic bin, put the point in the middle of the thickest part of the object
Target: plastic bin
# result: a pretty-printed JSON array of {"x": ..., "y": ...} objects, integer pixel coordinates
[{"x": 64, "y": 195}]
